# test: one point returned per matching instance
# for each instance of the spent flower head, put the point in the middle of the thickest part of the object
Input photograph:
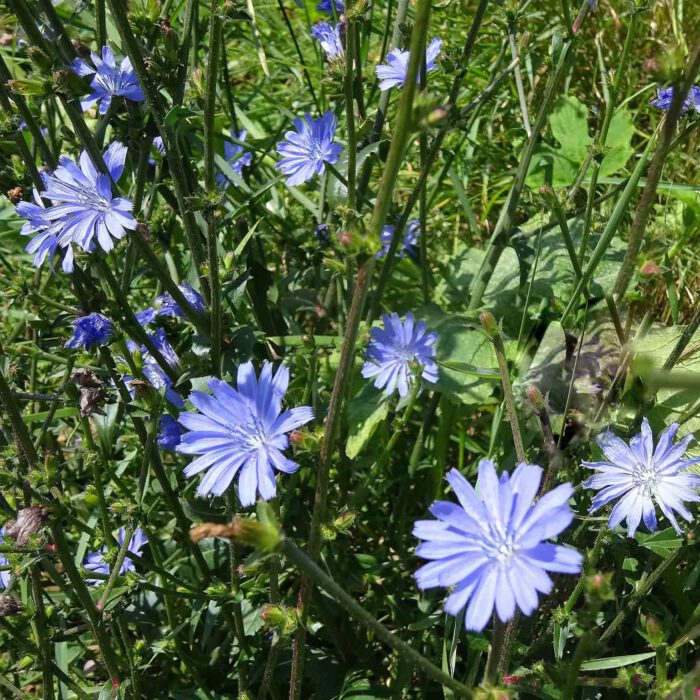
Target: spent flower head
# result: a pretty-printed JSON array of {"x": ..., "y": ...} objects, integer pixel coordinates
[
  {"x": 642, "y": 476},
  {"x": 109, "y": 81},
  {"x": 307, "y": 150},
  {"x": 90, "y": 330},
  {"x": 242, "y": 431},
  {"x": 394, "y": 351},
  {"x": 393, "y": 72},
  {"x": 492, "y": 547}
]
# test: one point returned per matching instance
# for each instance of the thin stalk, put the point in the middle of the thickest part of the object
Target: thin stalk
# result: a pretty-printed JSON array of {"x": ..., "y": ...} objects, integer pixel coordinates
[
  {"x": 501, "y": 231},
  {"x": 97, "y": 476},
  {"x": 497, "y": 642},
  {"x": 100, "y": 23},
  {"x": 661, "y": 669},
  {"x": 609, "y": 231},
  {"x": 215, "y": 27},
  {"x": 427, "y": 164},
  {"x": 493, "y": 333},
  {"x": 350, "y": 29},
  {"x": 116, "y": 568},
  {"x": 313, "y": 572},
  {"x": 559, "y": 215},
  {"x": 517, "y": 74},
  {"x": 648, "y": 196},
  {"x": 398, "y": 430},
  {"x": 43, "y": 642},
  {"x": 167, "y": 132}
]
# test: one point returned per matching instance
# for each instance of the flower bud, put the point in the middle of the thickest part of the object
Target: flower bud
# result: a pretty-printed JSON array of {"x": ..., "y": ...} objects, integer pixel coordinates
[
  {"x": 536, "y": 399},
  {"x": 489, "y": 324}
]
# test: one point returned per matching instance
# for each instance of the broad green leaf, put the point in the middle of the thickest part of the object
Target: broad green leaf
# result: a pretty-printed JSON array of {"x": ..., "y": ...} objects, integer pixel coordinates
[
  {"x": 663, "y": 543},
  {"x": 460, "y": 343},
  {"x": 616, "y": 661},
  {"x": 365, "y": 412}
]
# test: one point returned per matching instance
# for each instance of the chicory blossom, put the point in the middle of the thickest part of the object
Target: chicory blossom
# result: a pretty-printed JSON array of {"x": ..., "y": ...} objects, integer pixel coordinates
[
  {"x": 167, "y": 306},
  {"x": 90, "y": 330},
  {"x": 411, "y": 235},
  {"x": 307, "y": 150},
  {"x": 82, "y": 208},
  {"x": 5, "y": 575},
  {"x": 242, "y": 431},
  {"x": 664, "y": 97},
  {"x": 640, "y": 475},
  {"x": 237, "y": 158},
  {"x": 153, "y": 371},
  {"x": 393, "y": 73},
  {"x": 44, "y": 242},
  {"x": 170, "y": 432},
  {"x": 108, "y": 81},
  {"x": 329, "y": 38},
  {"x": 492, "y": 546},
  {"x": 328, "y": 5},
  {"x": 159, "y": 146},
  {"x": 395, "y": 349},
  {"x": 95, "y": 561}
]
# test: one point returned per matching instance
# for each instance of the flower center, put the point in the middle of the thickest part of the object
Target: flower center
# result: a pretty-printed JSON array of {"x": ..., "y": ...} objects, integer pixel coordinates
[
  {"x": 644, "y": 476},
  {"x": 251, "y": 435},
  {"x": 92, "y": 200}
]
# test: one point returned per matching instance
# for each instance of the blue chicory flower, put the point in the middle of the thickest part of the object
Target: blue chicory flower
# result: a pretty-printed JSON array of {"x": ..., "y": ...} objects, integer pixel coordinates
[
  {"x": 108, "y": 81},
  {"x": 664, "y": 97},
  {"x": 147, "y": 316},
  {"x": 44, "y": 242},
  {"x": 329, "y": 37},
  {"x": 394, "y": 350},
  {"x": 309, "y": 148},
  {"x": 492, "y": 546},
  {"x": 640, "y": 475},
  {"x": 237, "y": 158},
  {"x": 322, "y": 235},
  {"x": 82, "y": 208},
  {"x": 167, "y": 306},
  {"x": 5, "y": 575},
  {"x": 170, "y": 432},
  {"x": 90, "y": 330},
  {"x": 393, "y": 73},
  {"x": 159, "y": 146},
  {"x": 242, "y": 431},
  {"x": 153, "y": 372},
  {"x": 328, "y": 5},
  {"x": 95, "y": 561},
  {"x": 411, "y": 235}
]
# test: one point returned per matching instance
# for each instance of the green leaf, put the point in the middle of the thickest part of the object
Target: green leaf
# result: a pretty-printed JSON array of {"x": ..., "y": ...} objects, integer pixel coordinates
[
  {"x": 462, "y": 345},
  {"x": 616, "y": 661},
  {"x": 618, "y": 144},
  {"x": 663, "y": 543},
  {"x": 365, "y": 412}
]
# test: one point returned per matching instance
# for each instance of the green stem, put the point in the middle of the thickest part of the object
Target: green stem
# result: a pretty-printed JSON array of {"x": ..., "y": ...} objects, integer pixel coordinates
[
  {"x": 43, "y": 642},
  {"x": 350, "y": 29},
  {"x": 116, "y": 568},
  {"x": 398, "y": 431},
  {"x": 313, "y": 572},
  {"x": 97, "y": 476},
  {"x": 648, "y": 196},
  {"x": 503, "y": 226},
  {"x": 215, "y": 26},
  {"x": 661, "y": 669}
]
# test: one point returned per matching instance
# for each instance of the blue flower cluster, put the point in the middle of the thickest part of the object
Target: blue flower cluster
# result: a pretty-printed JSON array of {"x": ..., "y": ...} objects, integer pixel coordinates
[
  {"x": 93, "y": 329},
  {"x": 96, "y": 563},
  {"x": 664, "y": 97},
  {"x": 393, "y": 73}
]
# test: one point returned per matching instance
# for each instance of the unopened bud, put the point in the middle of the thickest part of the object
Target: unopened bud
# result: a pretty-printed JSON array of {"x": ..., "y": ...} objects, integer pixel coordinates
[
  {"x": 489, "y": 324},
  {"x": 29, "y": 520},
  {"x": 39, "y": 58},
  {"x": 263, "y": 536},
  {"x": 436, "y": 116},
  {"x": 345, "y": 520},
  {"x": 283, "y": 618},
  {"x": 9, "y": 606},
  {"x": 536, "y": 399}
]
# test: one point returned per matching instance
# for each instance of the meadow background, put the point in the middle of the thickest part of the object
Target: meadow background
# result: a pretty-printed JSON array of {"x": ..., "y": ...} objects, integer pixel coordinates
[{"x": 545, "y": 221}]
